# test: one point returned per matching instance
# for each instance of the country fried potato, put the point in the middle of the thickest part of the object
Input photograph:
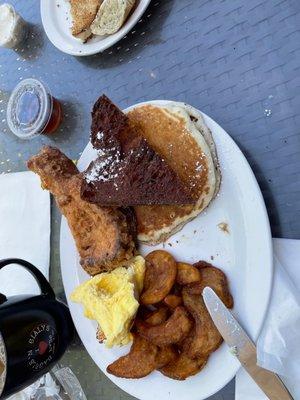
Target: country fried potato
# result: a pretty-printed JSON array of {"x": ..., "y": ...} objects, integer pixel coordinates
[
  {"x": 173, "y": 301},
  {"x": 187, "y": 273},
  {"x": 176, "y": 289},
  {"x": 183, "y": 367},
  {"x": 202, "y": 264},
  {"x": 158, "y": 316},
  {"x": 160, "y": 275},
  {"x": 204, "y": 337},
  {"x": 139, "y": 362},
  {"x": 214, "y": 278},
  {"x": 169, "y": 332},
  {"x": 165, "y": 355},
  {"x": 143, "y": 312},
  {"x": 173, "y": 331}
]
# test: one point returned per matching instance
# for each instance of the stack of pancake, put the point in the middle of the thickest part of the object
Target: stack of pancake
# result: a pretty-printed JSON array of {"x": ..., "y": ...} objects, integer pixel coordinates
[{"x": 182, "y": 144}]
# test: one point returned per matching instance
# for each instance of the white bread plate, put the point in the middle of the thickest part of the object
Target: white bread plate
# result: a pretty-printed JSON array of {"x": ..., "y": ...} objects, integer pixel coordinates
[
  {"x": 244, "y": 254},
  {"x": 57, "y": 21}
]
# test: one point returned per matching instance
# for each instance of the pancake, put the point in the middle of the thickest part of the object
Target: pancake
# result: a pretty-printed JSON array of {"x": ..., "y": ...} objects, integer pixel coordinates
[{"x": 177, "y": 132}]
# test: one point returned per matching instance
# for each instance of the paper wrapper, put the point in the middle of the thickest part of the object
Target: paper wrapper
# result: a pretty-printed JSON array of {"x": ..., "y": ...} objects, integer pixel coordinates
[{"x": 278, "y": 347}]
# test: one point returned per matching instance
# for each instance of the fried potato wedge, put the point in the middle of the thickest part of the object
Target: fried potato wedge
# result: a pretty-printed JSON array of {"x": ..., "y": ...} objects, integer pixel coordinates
[
  {"x": 169, "y": 332},
  {"x": 214, "y": 278},
  {"x": 165, "y": 355},
  {"x": 204, "y": 337},
  {"x": 202, "y": 264},
  {"x": 139, "y": 362},
  {"x": 187, "y": 273},
  {"x": 173, "y": 301},
  {"x": 176, "y": 289},
  {"x": 183, "y": 367},
  {"x": 161, "y": 271},
  {"x": 158, "y": 316}
]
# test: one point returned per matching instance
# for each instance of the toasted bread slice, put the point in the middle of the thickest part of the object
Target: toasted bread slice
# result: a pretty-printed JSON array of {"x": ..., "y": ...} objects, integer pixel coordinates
[
  {"x": 83, "y": 14},
  {"x": 127, "y": 172},
  {"x": 111, "y": 16}
]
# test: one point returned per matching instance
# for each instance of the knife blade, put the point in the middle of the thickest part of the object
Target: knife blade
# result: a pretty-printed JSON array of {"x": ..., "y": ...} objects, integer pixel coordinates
[{"x": 243, "y": 348}]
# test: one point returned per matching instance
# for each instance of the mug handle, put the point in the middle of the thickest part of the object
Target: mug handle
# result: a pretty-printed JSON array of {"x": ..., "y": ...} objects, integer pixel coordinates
[{"x": 44, "y": 285}]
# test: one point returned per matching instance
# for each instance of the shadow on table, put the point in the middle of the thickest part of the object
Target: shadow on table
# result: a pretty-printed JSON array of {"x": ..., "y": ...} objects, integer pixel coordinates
[
  {"x": 76, "y": 342},
  {"x": 32, "y": 47},
  {"x": 267, "y": 193},
  {"x": 72, "y": 119},
  {"x": 147, "y": 32}
]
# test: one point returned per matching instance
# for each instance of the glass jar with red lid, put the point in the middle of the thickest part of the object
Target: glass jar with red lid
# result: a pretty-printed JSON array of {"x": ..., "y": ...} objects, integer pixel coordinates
[{"x": 32, "y": 110}]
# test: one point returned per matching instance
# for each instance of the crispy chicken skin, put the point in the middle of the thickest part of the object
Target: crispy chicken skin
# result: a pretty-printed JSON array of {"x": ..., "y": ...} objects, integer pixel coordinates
[{"x": 104, "y": 236}]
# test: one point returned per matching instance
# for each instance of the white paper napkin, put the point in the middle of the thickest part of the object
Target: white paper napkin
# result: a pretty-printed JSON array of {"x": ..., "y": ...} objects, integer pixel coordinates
[
  {"x": 279, "y": 342},
  {"x": 24, "y": 230}
]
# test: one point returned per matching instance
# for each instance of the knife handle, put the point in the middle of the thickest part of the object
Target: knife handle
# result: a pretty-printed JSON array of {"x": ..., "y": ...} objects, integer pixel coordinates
[{"x": 268, "y": 381}]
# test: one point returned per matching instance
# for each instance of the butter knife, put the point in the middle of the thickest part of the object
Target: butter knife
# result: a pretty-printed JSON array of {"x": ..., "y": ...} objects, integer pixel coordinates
[{"x": 243, "y": 348}]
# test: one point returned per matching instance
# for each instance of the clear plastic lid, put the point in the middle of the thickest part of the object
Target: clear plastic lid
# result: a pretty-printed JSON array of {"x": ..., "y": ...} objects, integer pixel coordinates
[{"x": 29, "y": 108}]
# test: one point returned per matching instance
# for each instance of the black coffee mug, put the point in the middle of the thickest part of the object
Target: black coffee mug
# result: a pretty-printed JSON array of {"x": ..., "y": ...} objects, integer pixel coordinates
[{"x": 35, "y": 331}]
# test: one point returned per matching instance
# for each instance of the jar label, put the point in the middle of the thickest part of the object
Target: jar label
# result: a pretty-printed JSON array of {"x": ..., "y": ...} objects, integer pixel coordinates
[{"x": 42, "y": 346}]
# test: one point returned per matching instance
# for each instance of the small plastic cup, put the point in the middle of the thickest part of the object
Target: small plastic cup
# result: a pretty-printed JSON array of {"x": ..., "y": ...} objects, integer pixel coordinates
[
  {"x": 13, "y": 28},
  {"x": 32, "y": 110}
]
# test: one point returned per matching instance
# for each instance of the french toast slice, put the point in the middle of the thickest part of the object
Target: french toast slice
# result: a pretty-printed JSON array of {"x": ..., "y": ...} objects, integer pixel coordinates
[{"x": 105, "y": 237}]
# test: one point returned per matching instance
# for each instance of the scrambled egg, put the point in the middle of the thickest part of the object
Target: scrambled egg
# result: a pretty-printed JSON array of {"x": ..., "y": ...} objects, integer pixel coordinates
[{"x": 112, "y": 300}]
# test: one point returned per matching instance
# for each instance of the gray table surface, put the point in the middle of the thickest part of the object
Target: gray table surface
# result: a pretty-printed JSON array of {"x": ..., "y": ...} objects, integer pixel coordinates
[{"x": 237, "y": 60}]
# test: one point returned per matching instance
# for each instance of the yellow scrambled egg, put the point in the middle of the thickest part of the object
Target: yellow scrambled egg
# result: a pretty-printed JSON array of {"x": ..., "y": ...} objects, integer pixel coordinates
[{"x": 112, "y": 300}]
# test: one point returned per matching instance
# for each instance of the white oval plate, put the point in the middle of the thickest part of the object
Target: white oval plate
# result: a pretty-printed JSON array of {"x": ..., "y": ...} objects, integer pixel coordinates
[
  {"x": 57, "y": 21},
  {"x": 245, "y": 255}
]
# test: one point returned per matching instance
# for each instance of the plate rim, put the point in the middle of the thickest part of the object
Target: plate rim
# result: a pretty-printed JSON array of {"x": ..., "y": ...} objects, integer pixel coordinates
[
  {"x": 90, "y": 51},
  {"x": 268, "y": 244}
]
